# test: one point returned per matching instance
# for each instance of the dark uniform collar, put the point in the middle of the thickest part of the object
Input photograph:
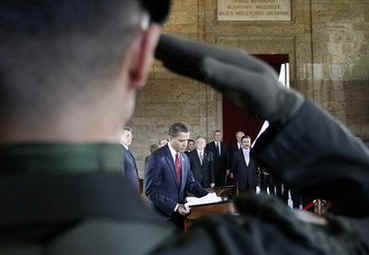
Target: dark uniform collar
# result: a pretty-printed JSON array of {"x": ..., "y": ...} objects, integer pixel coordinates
[
  {"x": 75, "y": 158},
  {"x": 48, "y": 188}
]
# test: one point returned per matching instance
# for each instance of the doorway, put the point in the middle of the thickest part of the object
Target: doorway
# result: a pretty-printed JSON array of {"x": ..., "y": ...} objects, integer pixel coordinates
[{"x": 235, "y": 118}]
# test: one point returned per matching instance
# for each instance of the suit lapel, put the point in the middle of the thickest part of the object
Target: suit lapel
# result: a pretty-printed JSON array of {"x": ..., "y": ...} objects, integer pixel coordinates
[
  {"x": 132, "y": 158},
  {"x": 204, "y": 158},
  {"x": 216, "y": 151},
  {"x": 198, "y": 158},
  {"x": 242, "y": 158},
  {"x": 184, "y": 173}
]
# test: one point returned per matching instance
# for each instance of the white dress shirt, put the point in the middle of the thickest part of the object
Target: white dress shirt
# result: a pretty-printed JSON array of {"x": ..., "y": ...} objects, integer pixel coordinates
[
  {"x": 173, "y": 153},
  {"x": 246, "y": 155},
  {"x": 201, "y": 155},
  {"x": 217, "y": 144}
]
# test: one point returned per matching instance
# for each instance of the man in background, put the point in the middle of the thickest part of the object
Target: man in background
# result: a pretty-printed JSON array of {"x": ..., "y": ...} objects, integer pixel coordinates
[
  {"x": 191, "y": 145},
  {"x": 235, "y": 146},
  {"x": 238, "y": 144},
  {"x": 202, "y": 164},
  {"x": 129, "y": 161},
  {"x": 244, "y": 167},
  {"x": 221, "y": 158}
]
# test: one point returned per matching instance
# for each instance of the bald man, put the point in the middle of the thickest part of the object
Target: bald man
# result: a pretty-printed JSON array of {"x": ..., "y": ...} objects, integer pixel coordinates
[{"x": 202, "y": 164}]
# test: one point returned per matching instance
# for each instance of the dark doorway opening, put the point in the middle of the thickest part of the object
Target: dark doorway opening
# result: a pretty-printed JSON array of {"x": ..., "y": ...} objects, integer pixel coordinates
[{"x": 235, "y": 118}]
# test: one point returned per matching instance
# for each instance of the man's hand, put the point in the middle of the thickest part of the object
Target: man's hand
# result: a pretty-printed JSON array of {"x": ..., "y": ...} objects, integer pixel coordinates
[
  {"x": 231, "y": 176},
  {"x": 212, "y": 185},
  {"x": 247, "y": 81},
  {"x": 182, "y": 210}
]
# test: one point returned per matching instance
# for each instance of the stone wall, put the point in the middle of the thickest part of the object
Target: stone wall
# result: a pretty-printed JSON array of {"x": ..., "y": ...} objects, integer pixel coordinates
[
  {"x": 327, "y": 43},
  {"x": 341, "y": 61}
]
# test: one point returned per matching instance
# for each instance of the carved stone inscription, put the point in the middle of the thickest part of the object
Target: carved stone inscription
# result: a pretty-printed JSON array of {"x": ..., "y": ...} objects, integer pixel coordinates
[{"x": 254, "y": 10}]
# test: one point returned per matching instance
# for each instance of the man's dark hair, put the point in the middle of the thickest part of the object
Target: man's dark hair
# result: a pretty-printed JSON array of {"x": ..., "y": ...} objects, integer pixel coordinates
[
  {"x": 125, "y": 128},
  {"x": 191, "y": 140},
  {"x": 153, "y": 147},
  {"x": 245, "y": 137},
  {"x": 55, "y": 51},
  {"x": 218, "y": 131},
  {"x": 177, "y": 128}
]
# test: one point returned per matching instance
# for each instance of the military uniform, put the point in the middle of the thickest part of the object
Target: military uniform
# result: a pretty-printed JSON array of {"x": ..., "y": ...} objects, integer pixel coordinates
[{"x": 72, "y": 199}]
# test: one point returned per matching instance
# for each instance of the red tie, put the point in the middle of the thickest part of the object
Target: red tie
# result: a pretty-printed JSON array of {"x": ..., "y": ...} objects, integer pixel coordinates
[{"x": 178, "y": 168}]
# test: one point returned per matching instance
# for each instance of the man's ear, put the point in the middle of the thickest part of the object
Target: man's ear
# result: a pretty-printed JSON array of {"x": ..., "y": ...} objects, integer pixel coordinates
[{"x": 142, "y": 50}]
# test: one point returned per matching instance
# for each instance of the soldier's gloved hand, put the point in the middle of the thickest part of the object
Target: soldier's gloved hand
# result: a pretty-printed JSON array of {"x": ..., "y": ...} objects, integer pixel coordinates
[{"x": 247, "y": 81}]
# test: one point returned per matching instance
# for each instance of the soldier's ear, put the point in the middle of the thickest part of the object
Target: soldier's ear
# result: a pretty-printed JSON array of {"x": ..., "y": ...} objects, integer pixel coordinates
[{"x": 142, "y": 54}]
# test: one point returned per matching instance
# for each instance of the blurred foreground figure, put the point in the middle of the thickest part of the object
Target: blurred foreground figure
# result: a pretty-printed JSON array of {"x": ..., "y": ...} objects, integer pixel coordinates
[{"x": 69, "y": 72}]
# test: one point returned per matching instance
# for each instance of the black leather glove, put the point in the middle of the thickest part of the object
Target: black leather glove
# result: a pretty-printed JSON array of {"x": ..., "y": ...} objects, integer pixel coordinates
[{"x": 247, "y": 81}]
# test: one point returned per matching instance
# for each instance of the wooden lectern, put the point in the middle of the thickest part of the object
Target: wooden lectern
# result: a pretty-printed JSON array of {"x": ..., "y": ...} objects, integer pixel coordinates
[{"x": 222, "y": 207}]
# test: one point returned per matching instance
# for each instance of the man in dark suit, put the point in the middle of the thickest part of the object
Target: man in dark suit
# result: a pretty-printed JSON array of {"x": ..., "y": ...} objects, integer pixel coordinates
[
  {"x": 244, "y": 167},
  {"x": 191, "y": 145},
  {"x": 221, "y": 157},
  {"x": 237, "y": 145},
  {"x": 202, "y": 164},
  {"x": 168, "y": 177},
  {"x": 129, "y": 161}
]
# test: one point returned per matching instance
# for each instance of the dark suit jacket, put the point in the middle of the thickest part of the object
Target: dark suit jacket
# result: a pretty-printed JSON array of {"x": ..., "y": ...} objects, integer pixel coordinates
[
  {"x": 161, "y": 185},
  {"x": 221, "y": 162},
  {"x": 233, "y": 148},
  {"x": 203, "y": 173},
  {"x": 244, "y": 175},
  {"x": 130, "y": 168}
]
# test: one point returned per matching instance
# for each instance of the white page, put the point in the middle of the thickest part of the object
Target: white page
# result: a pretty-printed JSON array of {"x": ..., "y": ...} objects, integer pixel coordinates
[{"x": 208, "y": 199}]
